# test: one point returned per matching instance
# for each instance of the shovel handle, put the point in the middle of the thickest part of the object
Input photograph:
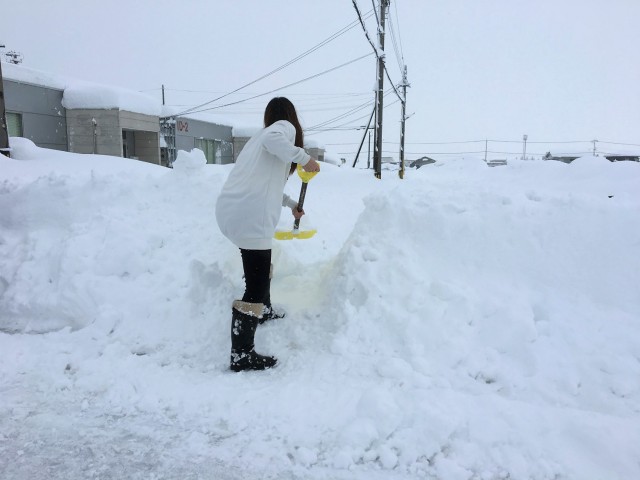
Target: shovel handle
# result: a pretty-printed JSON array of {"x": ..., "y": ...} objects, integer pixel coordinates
[{"x": 303, "y": 193}]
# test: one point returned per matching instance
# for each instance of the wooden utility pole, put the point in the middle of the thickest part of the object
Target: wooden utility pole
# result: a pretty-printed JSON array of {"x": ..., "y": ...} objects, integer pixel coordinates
[
  {"x": 404, "y": 85},
  {"x": 377, "y": 151},
  {"x": 4, "y": 133}
]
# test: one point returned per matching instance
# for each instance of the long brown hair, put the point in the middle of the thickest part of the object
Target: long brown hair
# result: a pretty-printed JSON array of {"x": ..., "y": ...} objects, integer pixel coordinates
[{"x": 281, "y": 108}]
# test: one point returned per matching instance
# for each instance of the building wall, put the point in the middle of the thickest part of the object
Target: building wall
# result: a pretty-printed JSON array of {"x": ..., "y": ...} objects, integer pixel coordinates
[
  {"x": 238, "y": 145},
  {"x": 81, "y": 131},
  {"x": 139, "y": 121},
  {"x": 147, "y": 147},
  {"x": 144, "y": 141},
  {"x": 188, "y": 130},
  {"x": 43, "y": 116},
  {"x": 146, "y": 135}
]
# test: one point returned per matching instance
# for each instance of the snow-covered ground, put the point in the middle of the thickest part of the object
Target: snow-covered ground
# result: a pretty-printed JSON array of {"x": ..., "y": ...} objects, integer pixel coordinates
[{"x": 464, "y": 323}]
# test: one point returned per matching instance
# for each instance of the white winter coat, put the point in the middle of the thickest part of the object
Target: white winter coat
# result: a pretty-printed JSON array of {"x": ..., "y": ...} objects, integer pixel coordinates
[{"x": 251, "y": 200}]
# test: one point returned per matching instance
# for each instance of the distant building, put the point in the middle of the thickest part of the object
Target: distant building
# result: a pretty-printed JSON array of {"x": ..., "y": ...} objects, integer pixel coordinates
[
  {"x": 564, "y": 159},
  {"x": 82, "y": 117},
  {"x": 497, "y": 162},
  {"x": 420, "y": 162},
  {"x": 186, "y": 133},
  {"x": 34, "y": 110},
  {"x": 623, "y": 157},
  {"x": 315, "y": 151}
]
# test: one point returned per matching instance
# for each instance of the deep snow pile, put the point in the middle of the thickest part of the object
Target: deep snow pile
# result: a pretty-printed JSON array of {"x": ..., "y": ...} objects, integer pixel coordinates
[{"x": 464, "y": 323}]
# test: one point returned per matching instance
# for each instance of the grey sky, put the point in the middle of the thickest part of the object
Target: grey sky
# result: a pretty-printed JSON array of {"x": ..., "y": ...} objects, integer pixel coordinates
[{"x": 556, "y": 70}]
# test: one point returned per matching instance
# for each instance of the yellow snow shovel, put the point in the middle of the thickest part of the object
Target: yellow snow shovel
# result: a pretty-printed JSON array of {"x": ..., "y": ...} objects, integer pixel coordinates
[{"x": 296, "y": 232}]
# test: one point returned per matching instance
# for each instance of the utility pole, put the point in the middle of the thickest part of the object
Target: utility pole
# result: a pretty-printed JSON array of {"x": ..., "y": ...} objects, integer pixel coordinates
[
  {"x": 162, "y": 94},
  {"x": 594, "y": 147},
  {"x": 405, "y": 84},
  {"x": 4, "y": 133},
  {"x": 377, "y": 152}
]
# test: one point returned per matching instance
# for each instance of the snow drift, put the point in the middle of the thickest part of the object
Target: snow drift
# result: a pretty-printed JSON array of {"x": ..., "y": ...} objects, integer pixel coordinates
[{"x": 464, "y": 323}]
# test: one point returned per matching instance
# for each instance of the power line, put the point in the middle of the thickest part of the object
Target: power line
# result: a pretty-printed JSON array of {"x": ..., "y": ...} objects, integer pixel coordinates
[
  {"x": 373, "y": 4},
  {"x": 344, "y": 125},
  {"x": 281, "y": 67},
  {"x": 319, "y": 94},
  {"x": 395, "y": 47},
  {"x": 276, "y": 89},
  {"x": 395, "y": 7},
  {"x": 616, "y": 143},
  {"x": 340, "y": 117}
]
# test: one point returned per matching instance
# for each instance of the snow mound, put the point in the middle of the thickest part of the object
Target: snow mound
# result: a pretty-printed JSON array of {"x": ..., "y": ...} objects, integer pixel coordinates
[
  {"x": 190, "y": 162},
  {"x": 487, "y": 330},
  {"x": 25, "y": 149},
  {"x": 590, "y": 162}
]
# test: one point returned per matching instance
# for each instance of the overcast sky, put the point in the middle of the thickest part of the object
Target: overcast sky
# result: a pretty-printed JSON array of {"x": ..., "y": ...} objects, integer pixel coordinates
[{"x": 556, "y": 70}]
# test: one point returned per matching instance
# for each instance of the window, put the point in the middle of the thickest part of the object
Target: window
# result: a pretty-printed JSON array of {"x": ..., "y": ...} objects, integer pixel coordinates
[
  {"x": 14, "y": 124},
  {"x": 215, "y": 151},
  {"x": 208, "y": 147}
]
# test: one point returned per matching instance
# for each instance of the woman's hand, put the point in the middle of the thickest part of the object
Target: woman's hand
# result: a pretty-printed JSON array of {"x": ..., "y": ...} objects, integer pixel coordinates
[
  {"x": 311, "y": 166},
  {"x": 297, "y": 214}
]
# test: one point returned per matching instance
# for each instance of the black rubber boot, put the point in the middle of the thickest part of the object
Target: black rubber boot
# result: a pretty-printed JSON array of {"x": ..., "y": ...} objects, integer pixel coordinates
[
  {"x": 268, "y": 313},
  {"x": 244, "y": 320}
]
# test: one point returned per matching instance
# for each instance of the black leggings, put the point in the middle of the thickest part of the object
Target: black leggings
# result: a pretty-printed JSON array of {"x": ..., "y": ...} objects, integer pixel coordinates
[{"x": 257, "y": 266}]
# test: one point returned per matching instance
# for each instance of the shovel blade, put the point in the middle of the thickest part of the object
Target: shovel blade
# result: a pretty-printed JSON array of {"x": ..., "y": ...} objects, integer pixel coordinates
[{"x": 294, "y": 234}]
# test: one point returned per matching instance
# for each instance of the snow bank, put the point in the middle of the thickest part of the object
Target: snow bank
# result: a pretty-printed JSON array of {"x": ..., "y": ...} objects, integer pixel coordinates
[{"x": 464, "y": 323}]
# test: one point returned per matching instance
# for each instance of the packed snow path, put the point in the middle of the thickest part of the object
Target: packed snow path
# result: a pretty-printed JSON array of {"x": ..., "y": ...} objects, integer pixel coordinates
[{"x": 465, "y": 323}]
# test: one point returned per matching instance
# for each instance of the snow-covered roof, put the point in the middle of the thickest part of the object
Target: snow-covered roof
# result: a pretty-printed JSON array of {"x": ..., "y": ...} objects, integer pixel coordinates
[
  {"x": 81, "y": 94},
  {"x": 19, "y": 73},
  {"x": 245, "y": 131},
  {"x": 168, "y": 111},
  {"x": 93, "y": 95}
]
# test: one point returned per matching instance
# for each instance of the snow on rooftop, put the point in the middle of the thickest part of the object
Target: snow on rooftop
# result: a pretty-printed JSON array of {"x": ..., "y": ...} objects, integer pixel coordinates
[
  {"x": 93, "y": 95},
  {"x": 19, "y": 73},
  {"x": 81, "y": 94},
  {"x": 245, "y": 131}
]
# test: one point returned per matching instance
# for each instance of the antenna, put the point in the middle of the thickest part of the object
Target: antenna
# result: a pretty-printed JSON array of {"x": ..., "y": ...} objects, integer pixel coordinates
[{"x": 14, "y": 57}]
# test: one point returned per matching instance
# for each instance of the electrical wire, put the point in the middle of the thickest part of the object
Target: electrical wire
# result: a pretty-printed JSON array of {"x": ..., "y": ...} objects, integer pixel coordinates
[
  {"x": 341, "y": 116},
  {"x": 375, "y": 10},
  {"x": 395, "y": 7},
  {"x": 395, "y": 47},
  {"x": 347, "y": 125},
  {"x": 616, "y": 143},
  {"x": 375, "y": 50},
  {"x": 279, "y": 88},
  {"x": 281, "y": 67}
]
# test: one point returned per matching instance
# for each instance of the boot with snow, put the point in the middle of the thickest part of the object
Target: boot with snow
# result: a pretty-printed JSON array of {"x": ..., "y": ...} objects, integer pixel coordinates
[
  {"x": 271, "y": 313},
  {"x": 244, "y": 320}
]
